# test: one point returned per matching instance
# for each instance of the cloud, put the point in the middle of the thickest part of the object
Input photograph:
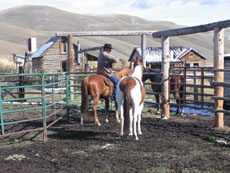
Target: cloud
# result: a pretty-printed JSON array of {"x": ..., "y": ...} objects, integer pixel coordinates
[
  {"x": 186, "y": 12},
  {"x": 147, "y": 4},
  {"x": 142, "y": 4}
]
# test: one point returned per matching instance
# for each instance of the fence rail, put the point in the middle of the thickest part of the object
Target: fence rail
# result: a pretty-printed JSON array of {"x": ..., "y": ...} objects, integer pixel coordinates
[
  {"x": 43, "y": 99},
  {"x": 29, "y": 101}
]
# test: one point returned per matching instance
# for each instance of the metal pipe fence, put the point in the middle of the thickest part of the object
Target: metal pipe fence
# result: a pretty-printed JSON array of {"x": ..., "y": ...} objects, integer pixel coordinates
[
  {"x": 32, "y": 98},
  {"x": 39, "y": 99}
]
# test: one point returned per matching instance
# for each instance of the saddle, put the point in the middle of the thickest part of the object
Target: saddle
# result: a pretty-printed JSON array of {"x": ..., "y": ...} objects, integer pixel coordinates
[{"x": 107, "y": 82}]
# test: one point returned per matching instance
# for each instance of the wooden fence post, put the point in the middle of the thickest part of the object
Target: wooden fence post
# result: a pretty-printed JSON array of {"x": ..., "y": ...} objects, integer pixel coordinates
[
  {"x": 70, "y": 53},
  {"x": 70, "y": 62},
  {"x": 219, "y": 75},
  {"x": 165, "y": 79},
  {"x": 143, "y": 48}
]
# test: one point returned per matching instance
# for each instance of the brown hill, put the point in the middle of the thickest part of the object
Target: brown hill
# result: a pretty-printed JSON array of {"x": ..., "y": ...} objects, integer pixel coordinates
[{"x": 19, "y": 23}]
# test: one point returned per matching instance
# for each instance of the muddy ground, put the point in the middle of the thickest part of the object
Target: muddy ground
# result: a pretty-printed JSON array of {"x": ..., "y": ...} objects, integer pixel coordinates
[{"x": 181, "y": 144}]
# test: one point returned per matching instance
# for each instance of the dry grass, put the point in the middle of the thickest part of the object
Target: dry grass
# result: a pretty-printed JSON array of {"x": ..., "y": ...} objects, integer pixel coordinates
[
  {"x": 7, "y": 64},
  {"x": 7, "y": 60}
]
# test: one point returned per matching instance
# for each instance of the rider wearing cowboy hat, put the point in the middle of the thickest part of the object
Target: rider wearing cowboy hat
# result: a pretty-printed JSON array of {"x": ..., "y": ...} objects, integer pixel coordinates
[{"x": 105, "y": 63}]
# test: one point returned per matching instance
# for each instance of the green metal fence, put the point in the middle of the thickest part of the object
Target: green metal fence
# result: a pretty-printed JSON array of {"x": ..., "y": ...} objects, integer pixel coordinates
[
  {"x": 31, "y": 98},
  {"x": 34, "y": 102}
]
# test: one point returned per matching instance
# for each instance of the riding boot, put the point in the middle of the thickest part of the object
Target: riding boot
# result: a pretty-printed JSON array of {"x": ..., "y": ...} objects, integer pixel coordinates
[{"x": 115, "y": 81}]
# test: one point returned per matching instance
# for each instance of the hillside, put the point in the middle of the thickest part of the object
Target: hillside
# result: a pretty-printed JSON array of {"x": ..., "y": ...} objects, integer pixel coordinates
[{"x": 19, "y": 23}]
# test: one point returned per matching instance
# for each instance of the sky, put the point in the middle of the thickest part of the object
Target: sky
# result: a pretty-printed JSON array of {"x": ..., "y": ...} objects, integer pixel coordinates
[{"x": 182, "y": 12}]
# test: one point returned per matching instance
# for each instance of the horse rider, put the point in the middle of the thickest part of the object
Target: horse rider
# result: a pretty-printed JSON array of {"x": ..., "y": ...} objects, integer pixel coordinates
[{"x": 105, "y": 64}]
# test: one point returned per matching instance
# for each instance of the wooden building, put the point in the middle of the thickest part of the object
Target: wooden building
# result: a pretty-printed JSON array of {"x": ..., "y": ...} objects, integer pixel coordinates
[
  {"x": 192, "y": 58},
  {"x": 53, "y": 55},
  {"x": 188, "y": 56}
]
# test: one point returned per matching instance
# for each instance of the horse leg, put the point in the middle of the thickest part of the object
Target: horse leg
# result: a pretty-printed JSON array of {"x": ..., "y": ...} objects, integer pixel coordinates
[
  {"x": 84, "y": 115},
  {"x": 121, "y": 113},
  {"x": 178, "y": 107},
  {"x": 95, "y": 103},
  {"x": 131, "y": 122},
  {"x": 139, "y": 120},
  {"x": 117, "y": 113},
  {"x": 82, "y": 119},
  {"x": 106, "y": 110},
  {"x": 158, "y": 103},
  {"x": 177, "y": 102},
  {"x": 178, "y": 97},
  {"x": 135, "y": 115}
]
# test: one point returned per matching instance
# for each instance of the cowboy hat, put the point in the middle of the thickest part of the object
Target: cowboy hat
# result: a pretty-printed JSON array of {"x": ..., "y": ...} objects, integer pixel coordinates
[{"x": 109, "y": 46}]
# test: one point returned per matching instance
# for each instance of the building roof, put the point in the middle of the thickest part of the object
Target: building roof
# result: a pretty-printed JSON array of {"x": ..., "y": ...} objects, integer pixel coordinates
[
  {"x": 154, "y": 54},
  {"x": 45, "y": 47}
]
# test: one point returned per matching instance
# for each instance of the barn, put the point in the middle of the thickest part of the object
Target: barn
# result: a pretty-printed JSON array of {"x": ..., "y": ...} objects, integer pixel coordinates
[
  {"x": 53, "y": 55},
  {"x": 188, "y": 56}
]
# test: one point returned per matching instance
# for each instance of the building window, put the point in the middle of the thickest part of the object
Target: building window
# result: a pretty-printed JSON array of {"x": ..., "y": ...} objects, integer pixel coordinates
[
  {"x": 187, "y": 65},
  {"x": 195, "y": 64},
  {"x": 63, "y": 47},
  {"x": 191, "y": 54}
]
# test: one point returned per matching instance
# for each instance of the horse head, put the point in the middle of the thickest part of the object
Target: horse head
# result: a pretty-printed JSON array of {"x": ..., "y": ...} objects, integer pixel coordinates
[
  {"x": 125, "y": 71},
  {"x": 137, "y": 62}
]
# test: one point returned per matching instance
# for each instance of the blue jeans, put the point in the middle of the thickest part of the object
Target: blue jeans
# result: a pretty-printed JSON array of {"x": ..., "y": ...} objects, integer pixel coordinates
[{"x": 115, "y": 82}]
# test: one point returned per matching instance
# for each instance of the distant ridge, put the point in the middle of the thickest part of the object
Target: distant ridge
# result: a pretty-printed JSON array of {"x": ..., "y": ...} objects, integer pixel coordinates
[{"x": 21, "y": 22}]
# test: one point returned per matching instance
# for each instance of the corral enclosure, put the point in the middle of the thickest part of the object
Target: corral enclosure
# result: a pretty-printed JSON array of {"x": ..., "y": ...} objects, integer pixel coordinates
[{"x": 179, "y": 141}]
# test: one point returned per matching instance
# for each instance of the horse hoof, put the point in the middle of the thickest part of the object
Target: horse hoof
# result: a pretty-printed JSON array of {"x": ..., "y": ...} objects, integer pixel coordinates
[
  {"x": 106, "y": 120},
  {"x": 139, "y": 133},
  {"x": 136, "y": 138},
  {"x": 130, "y": 134},
  {"x": 158, "y": 113},
  {"x": 164, "y": 118},
  {"x": 98, "y": 124}
]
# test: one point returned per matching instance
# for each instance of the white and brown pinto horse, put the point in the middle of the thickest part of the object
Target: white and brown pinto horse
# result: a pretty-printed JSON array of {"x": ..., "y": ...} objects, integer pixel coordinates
[{"x": 130, "y": 99}]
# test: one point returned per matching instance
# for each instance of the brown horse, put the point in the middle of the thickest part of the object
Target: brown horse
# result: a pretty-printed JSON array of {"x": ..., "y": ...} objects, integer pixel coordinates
[
  {"x": 99, "y": 86},
  {"x": 175, "y": 87}
]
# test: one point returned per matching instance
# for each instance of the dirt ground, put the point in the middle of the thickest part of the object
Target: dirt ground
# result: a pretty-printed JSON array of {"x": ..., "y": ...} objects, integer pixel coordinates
[{"x": 181, "y": 144}]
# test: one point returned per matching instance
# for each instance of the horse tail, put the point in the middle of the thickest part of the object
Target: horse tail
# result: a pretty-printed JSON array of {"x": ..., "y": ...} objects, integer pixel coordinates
[
  {"x": 84, "y": 96},
  {"x": 127, "y": 104}
]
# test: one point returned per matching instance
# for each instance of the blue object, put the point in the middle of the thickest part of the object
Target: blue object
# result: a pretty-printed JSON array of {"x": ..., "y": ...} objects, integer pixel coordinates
[{"x": 115, "y": 81}]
